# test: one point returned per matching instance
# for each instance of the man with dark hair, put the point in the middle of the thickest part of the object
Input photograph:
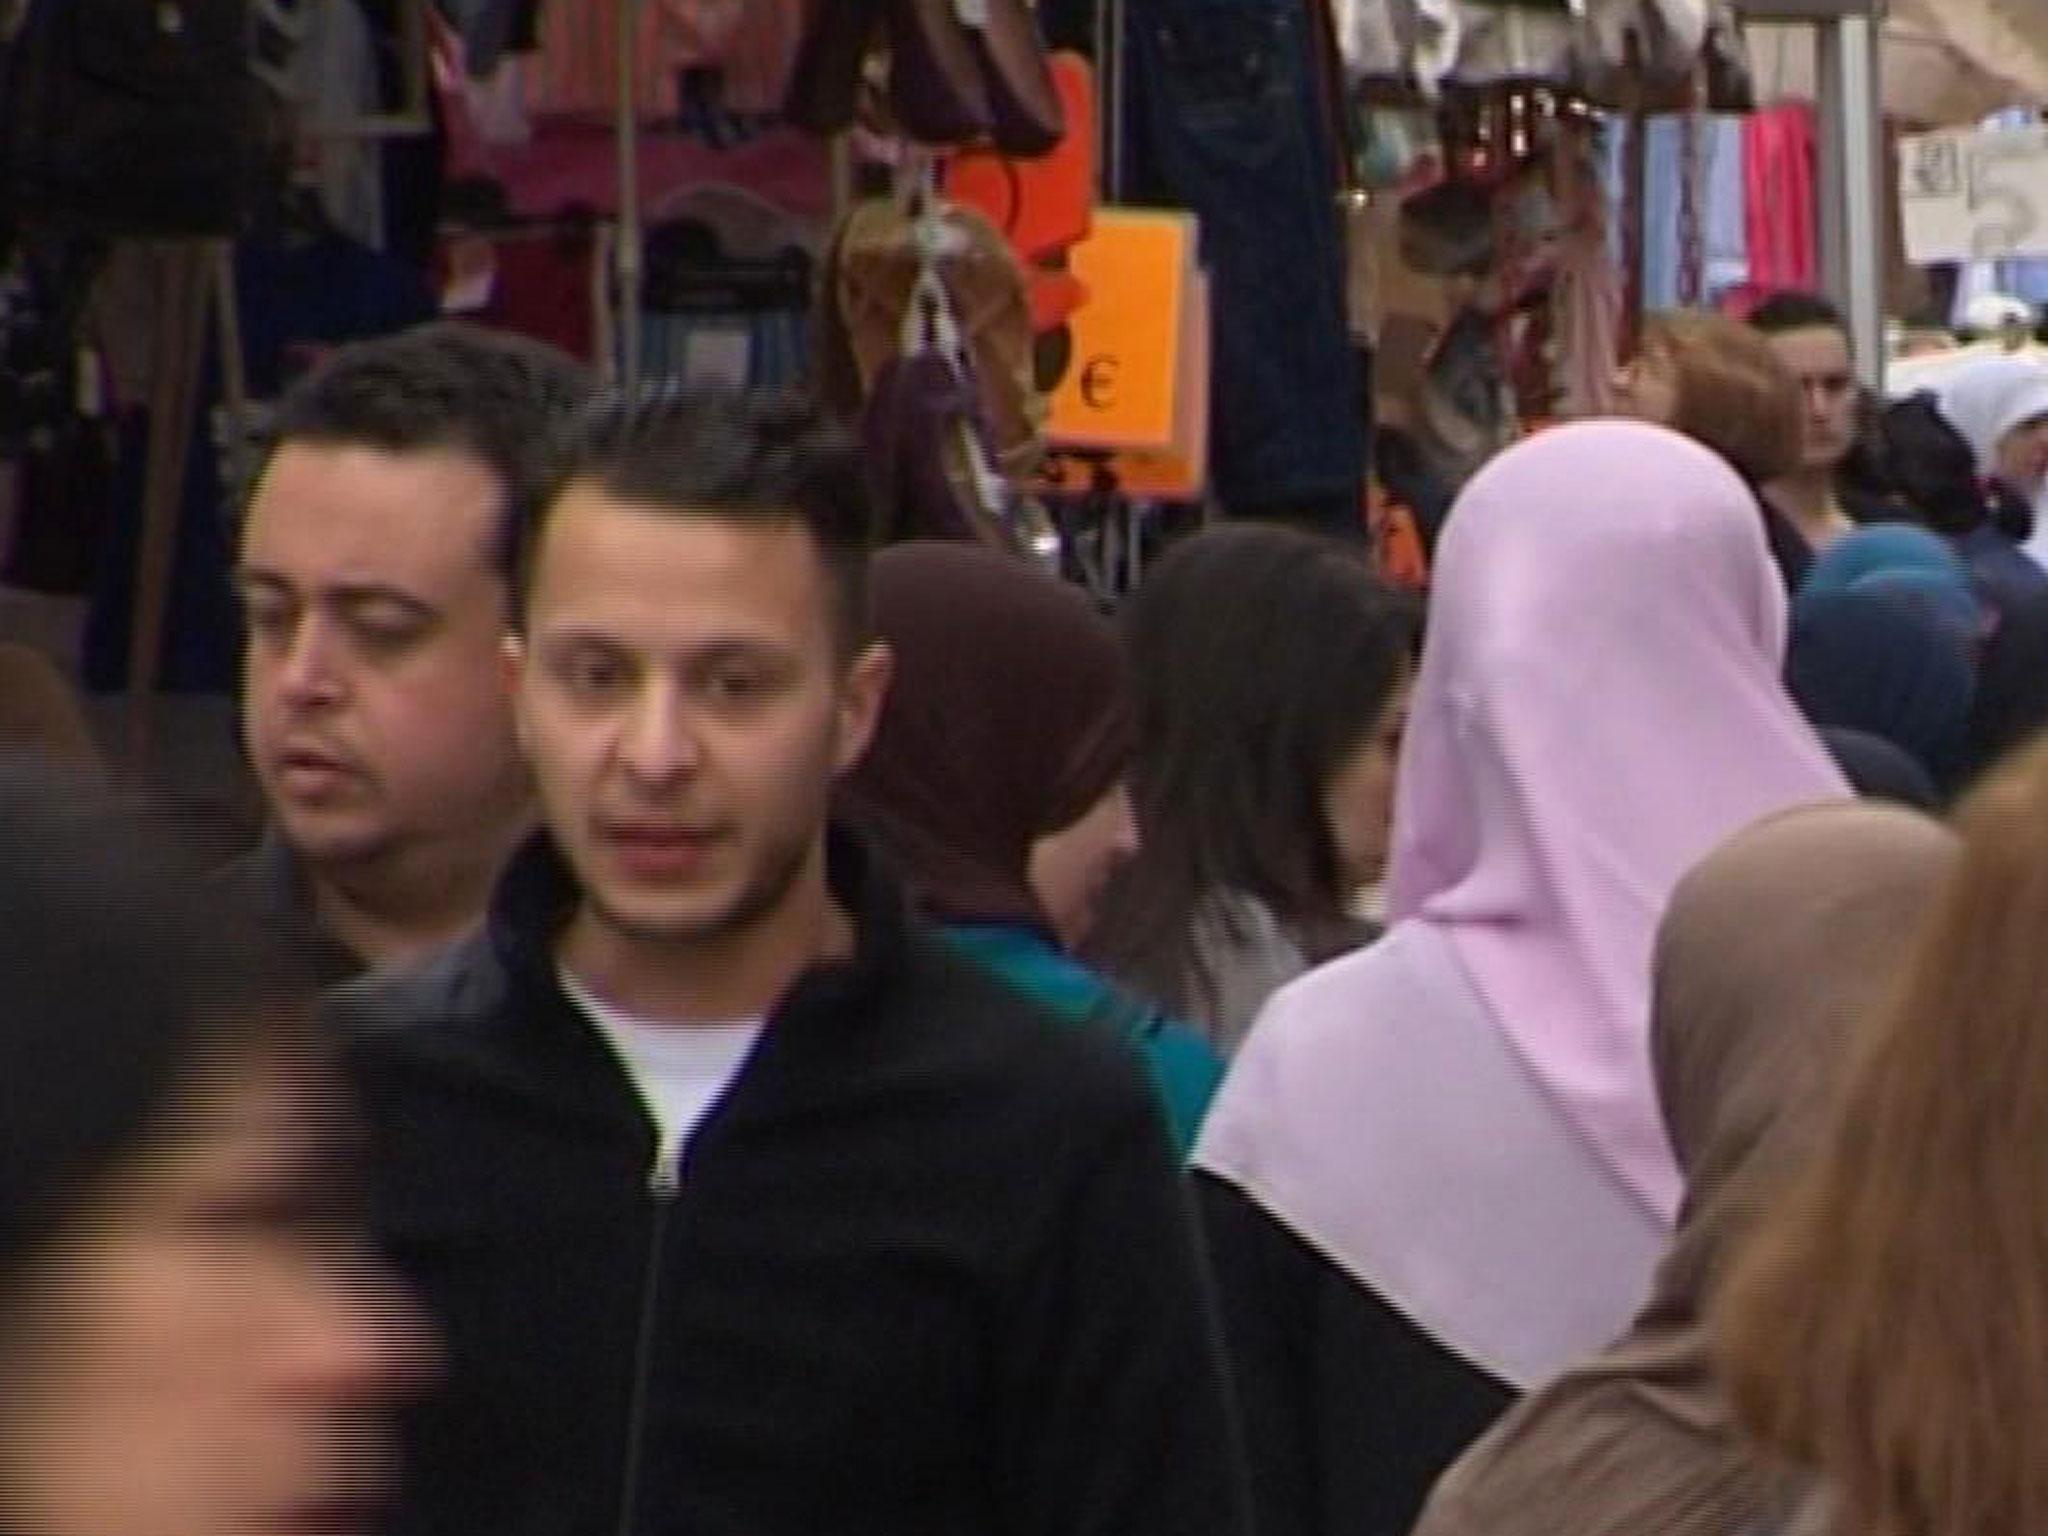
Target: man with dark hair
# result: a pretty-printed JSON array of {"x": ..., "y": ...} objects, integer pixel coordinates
[
  {"x": 375, "y": 576},
  {"x": 1809, "y": 334},
  {"x": 747, "y": 1206}
]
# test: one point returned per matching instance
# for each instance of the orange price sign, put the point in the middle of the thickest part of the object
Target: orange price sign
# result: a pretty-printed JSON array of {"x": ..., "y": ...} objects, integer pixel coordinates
[{"x": 1124, "y": 385}]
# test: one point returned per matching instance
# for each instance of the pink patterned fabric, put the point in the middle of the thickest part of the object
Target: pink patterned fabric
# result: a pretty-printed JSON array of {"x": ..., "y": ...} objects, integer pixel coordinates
[
  {"x": 1781, "y": 216},
  {"x": 1589, "y": 297},
  {"x": 1599, "y": 707},
  {"x": 753, "y": 42}
]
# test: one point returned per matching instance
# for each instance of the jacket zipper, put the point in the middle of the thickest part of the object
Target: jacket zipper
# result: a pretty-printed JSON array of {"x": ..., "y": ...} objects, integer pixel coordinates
[{"x": 664, "y": 1182}]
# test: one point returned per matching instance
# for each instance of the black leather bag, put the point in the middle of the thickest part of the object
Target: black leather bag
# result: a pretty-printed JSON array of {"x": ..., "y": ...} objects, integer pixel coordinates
[{"x": 129, "y": 118}]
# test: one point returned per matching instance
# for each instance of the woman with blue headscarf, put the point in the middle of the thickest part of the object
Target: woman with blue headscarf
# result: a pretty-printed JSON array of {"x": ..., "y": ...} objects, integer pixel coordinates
[
  {"x": 1891, "y": 552},
  {"x": 2004, "y": 629},
  {"x": 1883, "y": 660}
]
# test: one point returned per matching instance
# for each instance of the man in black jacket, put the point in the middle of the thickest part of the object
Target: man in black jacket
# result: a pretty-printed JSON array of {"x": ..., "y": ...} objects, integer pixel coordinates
[{"x": 746, "y": 1205}]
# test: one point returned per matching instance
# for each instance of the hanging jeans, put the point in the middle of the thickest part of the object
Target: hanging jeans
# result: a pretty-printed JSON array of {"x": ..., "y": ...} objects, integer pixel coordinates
[{"x": 1225, "y": 119}]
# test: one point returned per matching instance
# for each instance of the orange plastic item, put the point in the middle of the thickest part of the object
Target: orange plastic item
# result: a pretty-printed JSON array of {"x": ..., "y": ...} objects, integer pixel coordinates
[
  {"x": 1127, "y": 385},
  {"x": 1397, "y": 542},
  {"x": 1143, "y": 392},
  {"x": 1054, "y": 296},
  {"x": 1042, "y": 206}
]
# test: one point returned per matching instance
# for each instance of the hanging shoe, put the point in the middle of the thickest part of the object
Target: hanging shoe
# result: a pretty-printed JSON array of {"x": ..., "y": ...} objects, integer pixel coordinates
[
  {"x": 938, "y": 91},
  {"x": 824, "y": 81},
  {"x": 1023, "y": 99}
]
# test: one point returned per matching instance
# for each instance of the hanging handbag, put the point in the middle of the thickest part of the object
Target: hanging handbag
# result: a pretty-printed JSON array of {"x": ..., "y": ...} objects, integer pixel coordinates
[
  {"x": 1730, "y": 77},
  {"x": 1024, "y": 100},
  {"x": 824, "y": 82},
  {"x": 929, "y": 468},
  {"x": 937, "y": 89},
  {"x": 129, "y": 118},
  {"x": 964, "y": 70}
]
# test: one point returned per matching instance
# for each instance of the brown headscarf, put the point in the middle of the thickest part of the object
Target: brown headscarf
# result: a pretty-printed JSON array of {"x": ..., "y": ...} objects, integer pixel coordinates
[
  {"x": 40, "y": 713},
  {"x": 1008, "y": 717},
  {"x": 1772, "y": 952}
]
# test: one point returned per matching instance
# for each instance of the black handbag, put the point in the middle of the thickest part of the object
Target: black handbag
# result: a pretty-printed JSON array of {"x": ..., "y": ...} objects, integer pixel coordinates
[{"x": 131, "y": 118}]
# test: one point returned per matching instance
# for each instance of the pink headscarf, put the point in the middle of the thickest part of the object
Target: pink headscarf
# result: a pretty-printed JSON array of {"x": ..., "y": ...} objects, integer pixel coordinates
[{"x": 1599, "y": 707}]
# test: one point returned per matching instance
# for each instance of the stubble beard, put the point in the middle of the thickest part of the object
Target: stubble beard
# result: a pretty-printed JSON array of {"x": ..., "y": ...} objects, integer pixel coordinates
[{"x": 764, "y": 892}]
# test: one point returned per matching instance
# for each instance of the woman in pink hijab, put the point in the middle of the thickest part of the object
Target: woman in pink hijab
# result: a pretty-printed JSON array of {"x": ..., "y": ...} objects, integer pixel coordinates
[{"x": 1436, "y": 1174}]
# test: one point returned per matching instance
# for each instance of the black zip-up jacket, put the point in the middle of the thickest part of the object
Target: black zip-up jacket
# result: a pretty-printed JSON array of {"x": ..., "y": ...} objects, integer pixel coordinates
[{"x": 928, "y": 1267}]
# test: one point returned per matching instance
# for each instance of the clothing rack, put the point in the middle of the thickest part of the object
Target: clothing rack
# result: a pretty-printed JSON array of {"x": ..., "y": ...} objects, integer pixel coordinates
[{"x": 412, "y": 117}]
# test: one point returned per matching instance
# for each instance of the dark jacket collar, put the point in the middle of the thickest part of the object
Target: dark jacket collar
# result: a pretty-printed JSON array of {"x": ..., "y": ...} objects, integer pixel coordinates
[
  {"x": 537, "y": 896},
  {"x": 271, "y": 880}
]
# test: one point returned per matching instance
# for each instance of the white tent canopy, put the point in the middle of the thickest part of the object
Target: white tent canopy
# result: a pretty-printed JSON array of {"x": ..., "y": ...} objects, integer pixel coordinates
[
  {"x": 1930, "y": 63},
  {"x": 1941, "y": 62}
]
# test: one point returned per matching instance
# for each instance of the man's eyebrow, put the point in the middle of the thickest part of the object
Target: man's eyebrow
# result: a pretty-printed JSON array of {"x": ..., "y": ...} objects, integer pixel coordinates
[
  {"x": 346, "y": 594},
  {"x": 256, "y": 576},
  {"x": 360, "y": 594}
]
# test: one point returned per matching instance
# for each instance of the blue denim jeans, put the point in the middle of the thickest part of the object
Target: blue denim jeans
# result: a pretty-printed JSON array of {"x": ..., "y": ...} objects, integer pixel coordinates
[{"x": 1224, "y": 118}]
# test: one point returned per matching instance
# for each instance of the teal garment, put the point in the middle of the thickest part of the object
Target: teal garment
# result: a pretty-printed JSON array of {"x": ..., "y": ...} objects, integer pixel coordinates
[{"x": 1184, "y": 1066}]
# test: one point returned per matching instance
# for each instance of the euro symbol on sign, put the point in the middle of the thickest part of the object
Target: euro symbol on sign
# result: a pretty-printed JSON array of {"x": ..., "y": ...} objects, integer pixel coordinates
[{"x": 1098, "y": 378}]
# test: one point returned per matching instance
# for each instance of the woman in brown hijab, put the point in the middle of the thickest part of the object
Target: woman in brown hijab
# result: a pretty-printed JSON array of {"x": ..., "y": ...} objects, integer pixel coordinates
[
  {"x": 40, "y": 714},
  {"x": 1772, "y": 953},
  {"x": 996, "y": 783},
  {"x": 1887, "y": 1325}
]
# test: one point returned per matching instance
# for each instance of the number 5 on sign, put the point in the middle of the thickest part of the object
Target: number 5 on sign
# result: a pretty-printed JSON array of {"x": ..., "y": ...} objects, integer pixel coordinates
[{"x": 1975, "y": 195}]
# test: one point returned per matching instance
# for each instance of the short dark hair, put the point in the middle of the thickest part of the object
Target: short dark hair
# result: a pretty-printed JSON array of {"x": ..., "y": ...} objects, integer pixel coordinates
[
  {"x": 768, "y": 462},
  {"x": 496, "y": 397},
  {"x": 1793, "y": 310},
  {"x": 1262, "y": 656}
]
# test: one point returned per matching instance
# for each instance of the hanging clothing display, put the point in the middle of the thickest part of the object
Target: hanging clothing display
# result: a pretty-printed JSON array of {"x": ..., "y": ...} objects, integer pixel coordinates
[
  {"x": 751, "y": 44},
  {"x": 1587, "y": 290},
  {"x": 334, "y": 80},
  {"x": 1225, "y": 118},
  {"x": 576, "y": 71},
  {"x": 122, "y": 119},
  {"x": 1637, "y": 53},
  {"x": 957, "y": 73},
  {"x": 494, "y": 30},
  {"x": 1719, "y": 170},
  {"x": 1780, "y": 177}
]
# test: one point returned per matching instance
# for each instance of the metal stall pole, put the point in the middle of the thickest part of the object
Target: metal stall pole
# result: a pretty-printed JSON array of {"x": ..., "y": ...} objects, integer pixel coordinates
[
  {"x": 628, "y": 259},
  {"x": 1849, "y": 109}
]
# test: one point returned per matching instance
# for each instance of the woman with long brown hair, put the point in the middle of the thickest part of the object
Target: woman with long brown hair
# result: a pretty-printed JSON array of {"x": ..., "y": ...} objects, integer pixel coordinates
[{"x": 1888, "y": 1325}]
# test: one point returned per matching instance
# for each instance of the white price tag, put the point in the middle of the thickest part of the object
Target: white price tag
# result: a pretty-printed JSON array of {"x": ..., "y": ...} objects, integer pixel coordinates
[{"x": 717, "y": 358}]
